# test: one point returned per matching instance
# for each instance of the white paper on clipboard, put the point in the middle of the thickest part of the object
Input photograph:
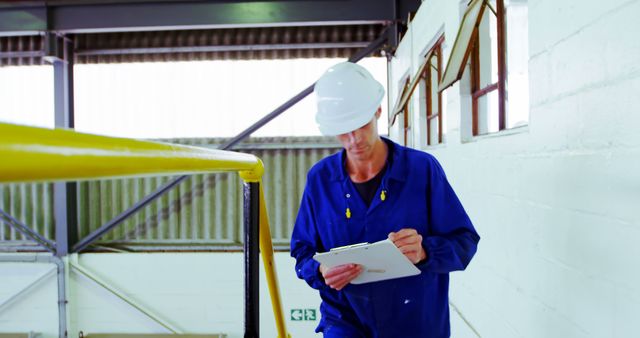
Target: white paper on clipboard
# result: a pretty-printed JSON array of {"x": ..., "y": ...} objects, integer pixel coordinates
[{"x": 380, "y": 261}]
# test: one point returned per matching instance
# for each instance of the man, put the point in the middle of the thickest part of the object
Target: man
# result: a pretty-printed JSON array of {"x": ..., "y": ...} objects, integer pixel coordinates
[{"x": 372, "y": 190}]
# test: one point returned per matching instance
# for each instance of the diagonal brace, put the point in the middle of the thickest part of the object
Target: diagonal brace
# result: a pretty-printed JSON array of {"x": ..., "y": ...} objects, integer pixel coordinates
[
  {"x": 147, "y": 312},
  {"x": 25, "y": 230},
  {"x": 25, "y": 290}
]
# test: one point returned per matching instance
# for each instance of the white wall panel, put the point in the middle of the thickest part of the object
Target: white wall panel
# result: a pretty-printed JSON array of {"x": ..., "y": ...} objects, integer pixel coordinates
[{"x": 555, "y": 202}]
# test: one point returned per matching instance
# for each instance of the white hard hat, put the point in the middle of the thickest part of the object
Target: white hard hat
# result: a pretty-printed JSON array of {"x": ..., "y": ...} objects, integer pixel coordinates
[{"x": 347, "y": 97}]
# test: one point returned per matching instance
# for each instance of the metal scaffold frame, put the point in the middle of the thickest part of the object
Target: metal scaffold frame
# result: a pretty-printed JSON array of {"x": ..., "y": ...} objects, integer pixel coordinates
[{"x": 82, "y": 156}]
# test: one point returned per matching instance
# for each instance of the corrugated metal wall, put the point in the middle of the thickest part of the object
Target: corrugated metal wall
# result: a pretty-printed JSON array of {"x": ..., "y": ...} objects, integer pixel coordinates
[
  {"x": 204, "y": 211},
  {"x": 21, "y": 50},
  {"x": 263, "y": 43},
  {"x": 31, "y": 204},
  {"x": 205, "y": 44}
]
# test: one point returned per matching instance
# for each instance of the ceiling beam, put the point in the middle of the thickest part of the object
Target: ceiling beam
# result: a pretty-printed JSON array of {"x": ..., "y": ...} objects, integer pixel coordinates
[
  {"x": 114, "y": 16},
  {"x": 22, "y": 21}
]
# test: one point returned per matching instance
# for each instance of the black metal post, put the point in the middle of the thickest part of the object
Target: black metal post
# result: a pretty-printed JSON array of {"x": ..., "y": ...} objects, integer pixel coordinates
[
  {"x": 59, "y": 51},
  {"x": 65, "y": 204},
  {"x": 25, "y": 230},
  {"x": 251, "y": 260},
  {"x": 92, "y": 237}
]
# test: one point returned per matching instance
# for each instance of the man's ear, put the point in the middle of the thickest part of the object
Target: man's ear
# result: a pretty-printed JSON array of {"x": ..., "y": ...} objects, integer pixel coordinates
[{"x": 378, "y": 112}]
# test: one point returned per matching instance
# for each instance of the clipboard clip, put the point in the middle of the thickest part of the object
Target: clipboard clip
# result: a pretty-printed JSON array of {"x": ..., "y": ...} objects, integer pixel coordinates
[{"x": 348, "y": 246}]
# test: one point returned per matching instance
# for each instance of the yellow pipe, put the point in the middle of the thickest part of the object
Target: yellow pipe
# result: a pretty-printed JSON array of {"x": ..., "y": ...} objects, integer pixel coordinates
[
  {"x": 39, "y": 154},
  {"x": 266, "y": 248}
]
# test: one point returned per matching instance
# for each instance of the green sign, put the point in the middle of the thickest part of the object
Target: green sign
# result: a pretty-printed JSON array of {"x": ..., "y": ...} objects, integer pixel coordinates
[{"x": 303, "y": 314}]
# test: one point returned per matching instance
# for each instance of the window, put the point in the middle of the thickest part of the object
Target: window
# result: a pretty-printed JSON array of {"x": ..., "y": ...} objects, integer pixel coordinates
[
  {"x": 495, "y": 72},
  {"x": 201, "y": 98},
  {"x": 432, "y": 100},
  {"x": 406, "y": 117},
  {"x": 428, "y": 76},
  {"x": 402, "y": 107},
  {"x": 26, "y": 96}
]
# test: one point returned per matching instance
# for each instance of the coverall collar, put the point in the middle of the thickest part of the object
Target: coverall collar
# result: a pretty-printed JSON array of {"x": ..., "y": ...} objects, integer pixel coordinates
[{"x": 395, "y": 170}]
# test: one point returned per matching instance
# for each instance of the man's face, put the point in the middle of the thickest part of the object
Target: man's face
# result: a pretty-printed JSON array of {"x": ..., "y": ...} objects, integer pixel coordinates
[{"x": 359, "y": 143}]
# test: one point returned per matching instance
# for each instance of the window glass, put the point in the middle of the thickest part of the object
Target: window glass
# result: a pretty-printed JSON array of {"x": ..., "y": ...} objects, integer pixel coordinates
[
  {"x": 488, "y": 113},
  {"x": 488, "y": 49},
  {"x": 26, "y": 96},
  {"x": 434, "y": 85},
  {"x": 202, "y": 98},
  {"x": 433, "y": 130},
  {"x": 517, "y": 64}
]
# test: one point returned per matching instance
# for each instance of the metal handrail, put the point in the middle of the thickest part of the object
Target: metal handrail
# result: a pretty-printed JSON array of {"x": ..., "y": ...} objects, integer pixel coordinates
[{"x": 39, "y": 154}]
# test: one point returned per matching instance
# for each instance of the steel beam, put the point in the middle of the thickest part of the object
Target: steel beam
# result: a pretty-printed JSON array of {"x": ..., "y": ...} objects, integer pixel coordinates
[
  {"x": 113, "y": 16},
  {"x": 215, "y": 14},
  {"x": 29, "y": 54},
  {"x": 251, "y": 260},
  {"x": 25, "y": 230},
  {"x": 59, "y": 51},
  {"x": 204, "y": 49},
  {"x": 22, "y": 20},
  {"x": 65, "y": 201}
]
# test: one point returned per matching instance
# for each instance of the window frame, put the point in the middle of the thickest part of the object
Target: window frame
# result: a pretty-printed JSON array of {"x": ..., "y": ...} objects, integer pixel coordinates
[
  {"x": 476, "y": 92},
  {"x": 426, "y": 76},
  {"x": 472, "y": 51},
  {"x": 405, "y": 115},
  {"x": 402, "y": 106},
  {"x": 457, "y": 61}
]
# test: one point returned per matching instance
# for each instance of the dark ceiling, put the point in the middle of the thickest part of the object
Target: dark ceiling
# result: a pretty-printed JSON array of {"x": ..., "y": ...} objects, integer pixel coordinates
[{"x": 108, "y": 31}]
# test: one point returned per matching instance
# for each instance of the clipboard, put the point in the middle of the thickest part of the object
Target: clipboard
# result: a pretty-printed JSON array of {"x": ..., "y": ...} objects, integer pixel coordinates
[{"x": 380, "y": 261}]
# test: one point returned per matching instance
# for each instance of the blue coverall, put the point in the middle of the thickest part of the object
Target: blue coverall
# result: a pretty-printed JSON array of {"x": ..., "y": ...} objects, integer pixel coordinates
[{"x": 414, "y": 193}]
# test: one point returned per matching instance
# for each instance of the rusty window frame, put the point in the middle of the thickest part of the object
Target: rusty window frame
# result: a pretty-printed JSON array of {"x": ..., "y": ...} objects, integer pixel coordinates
[
  {"x": 430, "y": 90},
  {"x": 467, "y": 46},
  {"x": 405, "y": 114},
  {"x": 478, "y": 92},
  {"x": 402, "y": 107},
  {"x": 462, "y": 44}
]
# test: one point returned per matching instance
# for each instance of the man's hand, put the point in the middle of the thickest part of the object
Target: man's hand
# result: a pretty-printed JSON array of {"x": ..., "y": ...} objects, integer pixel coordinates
[
  {"x": 339, "y": 276},
  {"x": 409, "y": 241}
]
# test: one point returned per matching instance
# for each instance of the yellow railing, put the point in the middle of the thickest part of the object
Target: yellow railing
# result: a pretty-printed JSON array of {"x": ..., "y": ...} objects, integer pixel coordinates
[{"x": 38, "y": 154}]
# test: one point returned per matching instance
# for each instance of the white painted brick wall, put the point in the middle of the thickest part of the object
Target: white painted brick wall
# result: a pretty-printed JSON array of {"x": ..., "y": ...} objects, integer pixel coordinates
[{"x": 555, "y": 202}]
